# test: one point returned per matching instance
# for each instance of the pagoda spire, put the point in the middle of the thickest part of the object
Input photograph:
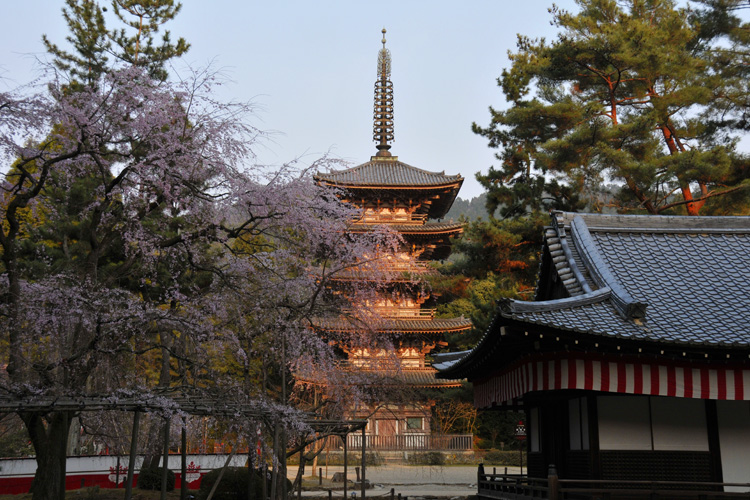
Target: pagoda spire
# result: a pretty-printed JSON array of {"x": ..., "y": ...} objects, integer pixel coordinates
[{"x": 382, "y": 130}]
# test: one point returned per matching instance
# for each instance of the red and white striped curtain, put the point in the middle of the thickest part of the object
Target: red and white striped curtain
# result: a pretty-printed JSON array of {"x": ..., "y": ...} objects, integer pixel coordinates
[{"x": 599, "y": 373}]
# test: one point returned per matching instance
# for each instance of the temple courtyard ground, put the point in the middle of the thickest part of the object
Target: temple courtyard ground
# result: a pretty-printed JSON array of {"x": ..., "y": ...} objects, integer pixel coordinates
[{"x": 414, "y": 482}]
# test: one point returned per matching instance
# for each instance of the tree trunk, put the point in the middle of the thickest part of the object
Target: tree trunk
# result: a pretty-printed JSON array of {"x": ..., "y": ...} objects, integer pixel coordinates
[
  {"x": 49, "y": 435},
  {"x": 158, "y": 426}
]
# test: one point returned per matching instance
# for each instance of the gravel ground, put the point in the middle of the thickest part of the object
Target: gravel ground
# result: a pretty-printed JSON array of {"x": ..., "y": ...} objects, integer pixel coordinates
[{"x": 414, "y": 482}]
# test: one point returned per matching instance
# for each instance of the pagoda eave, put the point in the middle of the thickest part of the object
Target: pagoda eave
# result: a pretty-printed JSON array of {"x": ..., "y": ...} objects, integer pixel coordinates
[{"x": 425, "y": 327}]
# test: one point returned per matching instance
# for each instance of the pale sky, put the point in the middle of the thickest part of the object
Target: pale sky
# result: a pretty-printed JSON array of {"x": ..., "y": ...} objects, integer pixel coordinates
[{"x": 310, "y": 66}]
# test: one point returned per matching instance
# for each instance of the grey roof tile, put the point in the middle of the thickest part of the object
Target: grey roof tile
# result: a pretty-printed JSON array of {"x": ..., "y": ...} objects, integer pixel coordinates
[
  {"x": 427, "y": 227},
  {"x": 435, "y": 325},
  {"x": 690, "y": 274}
]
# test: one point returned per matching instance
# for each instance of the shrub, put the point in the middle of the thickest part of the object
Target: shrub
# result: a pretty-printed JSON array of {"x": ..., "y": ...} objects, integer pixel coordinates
[
  {"x": 508, "y": 457},
  {"x": 150, "y": 479},
  {"x": 426, "y": 458},
  {"x": 233, "y": 485},
  {"x": 353, "y": 459}
]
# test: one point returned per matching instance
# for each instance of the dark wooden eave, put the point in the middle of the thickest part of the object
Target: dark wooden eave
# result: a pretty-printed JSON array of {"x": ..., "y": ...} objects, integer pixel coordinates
[{"x": 387, "y": 178}]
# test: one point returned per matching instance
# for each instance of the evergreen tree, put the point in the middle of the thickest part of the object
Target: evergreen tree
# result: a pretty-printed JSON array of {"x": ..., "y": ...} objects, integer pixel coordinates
[
  {"x": 92, "y": 41},
  {"x": 494, "y": 258},
  {"x": 145, "y": 17},
  {"x": 617, "y": 96}
]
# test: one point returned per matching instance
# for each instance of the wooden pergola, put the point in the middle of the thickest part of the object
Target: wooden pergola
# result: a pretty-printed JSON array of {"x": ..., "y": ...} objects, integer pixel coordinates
[{"x": 173, "y": 404}]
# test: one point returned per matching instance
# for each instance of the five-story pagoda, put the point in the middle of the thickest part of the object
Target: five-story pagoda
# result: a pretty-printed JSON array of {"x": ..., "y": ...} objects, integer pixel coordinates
[{"x": 408, "y": 200}]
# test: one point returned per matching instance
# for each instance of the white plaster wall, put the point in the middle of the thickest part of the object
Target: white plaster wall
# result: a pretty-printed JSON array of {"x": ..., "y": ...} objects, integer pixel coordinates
[
  {"x": 534, "y": 428},
  {"x": 624, "y": 423},
  {"x": 15, "y": 467},
  {"x": 585, "y": 423},
  {"x": 679, "y": 424},
  {"x": 578, "y": 422},
  {"x": 734, "y": 442},
  {"x": 574, "y": 423}
]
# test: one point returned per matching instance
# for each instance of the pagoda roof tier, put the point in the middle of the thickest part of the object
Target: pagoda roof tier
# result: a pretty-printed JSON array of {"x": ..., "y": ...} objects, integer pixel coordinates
[
  {"x": 434, "y": 236},
  {"x": 416, "y": 377},
  {"x": 423, "y": 230},
  {"x": 424, "y": 326},
  {"x": 424, "y": 377},
  {"x": 388, "y": 174}
]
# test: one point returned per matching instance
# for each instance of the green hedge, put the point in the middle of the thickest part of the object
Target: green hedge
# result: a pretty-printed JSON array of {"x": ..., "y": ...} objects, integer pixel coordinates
[
  {"x": 150, "y": 479},
  {"x": 353, "y": 459},
  {"x": 504, "y": 457},
  {"x": 426, "y": 458},
  {"x": 233, "y": 485}
]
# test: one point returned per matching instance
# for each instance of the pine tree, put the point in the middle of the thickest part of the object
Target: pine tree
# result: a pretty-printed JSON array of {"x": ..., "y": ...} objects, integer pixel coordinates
[
  {"x": 89, "y": 38},
  {"x": 93, "y": 42},
  {"x": 617, "y": 96},
  {"x": 145, "y": 17}
]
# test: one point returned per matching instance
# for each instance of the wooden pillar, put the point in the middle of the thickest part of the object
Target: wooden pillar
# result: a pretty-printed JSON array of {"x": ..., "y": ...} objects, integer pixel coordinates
[
  {"x": 346, "y": 436},
  {"x": 183, "y": 462},
  {"x": 299, "y": 486},
  {"x": 250, "y": 467},
  {"x": 131, "y": 461},
  {"x": 552, "y": 483},
  {"x": 364, "y": 460},
  {"x": 165, "y": 461},
  {"x": 275, "y": 472}
]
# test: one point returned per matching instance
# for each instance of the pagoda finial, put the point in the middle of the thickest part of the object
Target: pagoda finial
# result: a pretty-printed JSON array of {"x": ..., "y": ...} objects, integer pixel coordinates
[{"x": 382, "y": 131}]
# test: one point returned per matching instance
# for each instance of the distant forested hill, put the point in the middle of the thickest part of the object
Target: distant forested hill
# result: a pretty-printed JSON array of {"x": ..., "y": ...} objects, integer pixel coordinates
[{"x": 471, "y": 209}]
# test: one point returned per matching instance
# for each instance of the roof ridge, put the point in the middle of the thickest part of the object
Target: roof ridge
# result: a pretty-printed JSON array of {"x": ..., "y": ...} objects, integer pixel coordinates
[
  {"x": 511, "y": 306},
  {"x": 562, "y": 258},
  {"x": 624, "y": 303},
  {"x": 660, "y": 223}
]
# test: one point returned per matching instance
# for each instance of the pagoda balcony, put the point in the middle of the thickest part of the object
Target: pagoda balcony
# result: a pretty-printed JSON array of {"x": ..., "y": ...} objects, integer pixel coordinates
[
  {"x": 387, "y": 218},
  {"x": 412, "y": 267},
  {"x": 402, "y": 271},
  {"x": 405, "y": 313},
  {"x": 394, "y": 312}
]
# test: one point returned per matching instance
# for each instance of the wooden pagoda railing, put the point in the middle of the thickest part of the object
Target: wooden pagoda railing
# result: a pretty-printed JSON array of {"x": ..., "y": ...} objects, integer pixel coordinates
[
  {"x": 407, "y": 269},
  {"x": 521, "y": 487},
  {"x": 407, "y": 442},
  {"x": 405, "y": 312},
  {"x": 380, "y": 218},
  {"x": 400, "y": 312}
]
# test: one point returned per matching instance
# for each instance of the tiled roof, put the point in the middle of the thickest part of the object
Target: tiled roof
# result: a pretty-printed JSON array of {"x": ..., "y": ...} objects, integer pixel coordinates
[
  {"x": 443, "y": 361},
  {"x": 387, "y": 172},
  {"x": 415, "y": 377},
  {"x": 420, "y": 377},
  {"x": 426, "y": 228},
  {"x": 665, "y": 279},
  {"x": 438, "y": 326}
]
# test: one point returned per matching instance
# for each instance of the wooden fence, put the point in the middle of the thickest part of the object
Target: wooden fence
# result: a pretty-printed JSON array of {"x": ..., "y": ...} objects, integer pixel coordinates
[
  {"x": 407, "y": 442},
  {"x": 522, "y": 487}
]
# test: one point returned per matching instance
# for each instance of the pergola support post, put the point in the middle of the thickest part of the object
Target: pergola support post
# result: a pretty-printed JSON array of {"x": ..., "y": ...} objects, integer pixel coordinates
[
  {"x": 131, "y": 459},
  {"x": 364, "y": 461},
  {"x": 165, "y": 460},
  {"x": 346, "y": 457},
  {"x": 183, "y": 462}
]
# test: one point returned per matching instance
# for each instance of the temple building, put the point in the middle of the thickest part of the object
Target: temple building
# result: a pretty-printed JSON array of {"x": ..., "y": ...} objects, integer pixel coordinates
[
  {"x": 631, "y": 364},
  {"x": 408, "y": 200}
]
